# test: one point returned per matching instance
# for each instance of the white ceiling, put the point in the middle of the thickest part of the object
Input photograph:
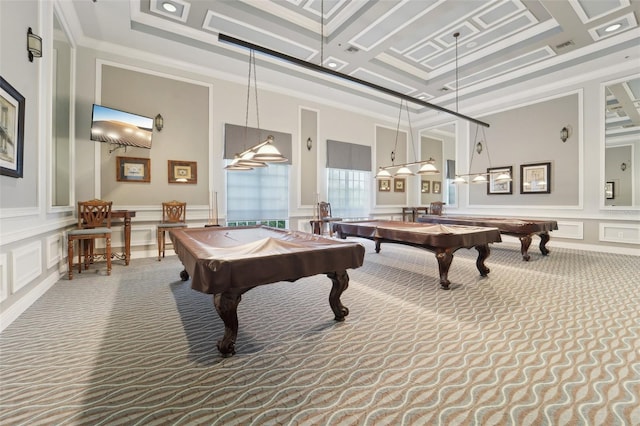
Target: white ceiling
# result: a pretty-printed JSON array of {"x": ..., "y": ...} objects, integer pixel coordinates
[{"x": 406, "y": 46}]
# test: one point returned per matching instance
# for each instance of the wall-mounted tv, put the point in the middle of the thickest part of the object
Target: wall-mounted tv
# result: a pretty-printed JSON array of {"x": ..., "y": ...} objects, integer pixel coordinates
[{"x": 121, "y": 128}]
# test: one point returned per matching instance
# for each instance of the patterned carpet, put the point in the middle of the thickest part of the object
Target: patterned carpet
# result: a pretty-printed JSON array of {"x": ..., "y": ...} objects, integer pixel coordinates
[{"x": 553, "y": 341}]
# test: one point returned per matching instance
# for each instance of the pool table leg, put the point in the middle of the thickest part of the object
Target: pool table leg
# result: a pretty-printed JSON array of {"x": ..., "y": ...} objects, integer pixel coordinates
[
  {"x": 544, "y": 239},
  {"x": 525, "y": 242},
  {"x": 340, "y": 281},
  {"x": 227, "y": 306},
  {"x": 483, "y": 253},
  {"x": 445, "y": 257}
]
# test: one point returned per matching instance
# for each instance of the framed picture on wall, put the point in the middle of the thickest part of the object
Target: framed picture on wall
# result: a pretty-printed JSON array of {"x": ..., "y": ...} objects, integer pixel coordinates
[
  {"x": 398, "y": 184},
  {"x": 494, "y": 187},
  {"x": 609, "y": 190},
  {"x": 426, "y": 187},
  {"x": 131, "y": 169},
  {"x": 384, "y": 185},
  {"x": 436, "y": 187},
  {"x": 11, "y": 130},
  {"x": 183, "y": 171},
  {"x": 535, "y": 178}
]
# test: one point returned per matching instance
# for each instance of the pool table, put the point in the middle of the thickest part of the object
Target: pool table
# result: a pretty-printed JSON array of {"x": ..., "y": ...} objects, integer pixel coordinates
[
  {"x": 523, "y": 229},
  {"x": 443, "y": 240},
  {"x": 229, "y": 261}
]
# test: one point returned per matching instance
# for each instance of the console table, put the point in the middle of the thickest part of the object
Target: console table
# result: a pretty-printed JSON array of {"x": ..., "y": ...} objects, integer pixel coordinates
[{"x": 126, "y": 216}]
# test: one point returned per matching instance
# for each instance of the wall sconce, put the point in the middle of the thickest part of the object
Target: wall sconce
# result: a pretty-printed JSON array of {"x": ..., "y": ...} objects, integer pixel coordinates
[
  {"x": 34, "y": 45},
  {"x": 158, "y": 122},
  {"x": 564, "y": 134},
  {"x": 309, "y": 144},
  {"x": 479, "y": 147},
  {"x": 623, "y": 166}
]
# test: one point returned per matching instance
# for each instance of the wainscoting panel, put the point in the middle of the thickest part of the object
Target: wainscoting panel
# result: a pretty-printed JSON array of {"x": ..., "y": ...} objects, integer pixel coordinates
[
  {"x": 143, "y": 236},
  {"x": 4, "y": 284},
  {"x": 27, "y": 265},
  {"x": 54, "y": 249},
  {"x": 620, "y": 233},
  {"x": 572, "y": 230}
]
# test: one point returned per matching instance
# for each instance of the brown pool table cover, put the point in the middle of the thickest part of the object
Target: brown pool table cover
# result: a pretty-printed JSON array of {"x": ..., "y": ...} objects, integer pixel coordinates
[
  {"x": 235, "y": 258},
  {"x": 505, "y": 224},
  {"x": 436, "y": 235}
]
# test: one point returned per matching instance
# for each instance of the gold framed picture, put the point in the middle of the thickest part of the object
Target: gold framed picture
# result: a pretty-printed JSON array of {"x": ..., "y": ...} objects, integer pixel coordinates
[
  {"x": 183, "y": 171},
  {"x": 436, "y": 187},
  {"x": 131, "y": 169},
  {"x": 398, "y": 184},
  {"x": 384, "y": 185},
  {"x": 426, "y": 186}
]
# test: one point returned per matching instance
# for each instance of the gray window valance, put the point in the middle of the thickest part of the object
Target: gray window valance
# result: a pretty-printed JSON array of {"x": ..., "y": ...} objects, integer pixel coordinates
[
  {"x": 349, "y": 156},
  {"x": 239, "y": 138}
]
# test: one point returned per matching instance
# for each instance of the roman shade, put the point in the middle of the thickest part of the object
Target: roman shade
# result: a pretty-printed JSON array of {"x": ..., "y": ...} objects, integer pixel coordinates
[
  {"x": 238, "y": 139},
  {"x": 349, "y": 156}
]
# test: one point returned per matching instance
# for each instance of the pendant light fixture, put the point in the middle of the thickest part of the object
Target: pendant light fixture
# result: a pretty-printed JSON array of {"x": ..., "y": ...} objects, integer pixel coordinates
[
  {"x": 403, "y": 170},
  {"x": 263, "y": 152},
  {"x": 478, "y": 147}
]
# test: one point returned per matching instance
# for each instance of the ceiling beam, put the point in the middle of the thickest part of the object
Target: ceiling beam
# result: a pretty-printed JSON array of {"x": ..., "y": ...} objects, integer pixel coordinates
[{"x": 308, "y": 65}]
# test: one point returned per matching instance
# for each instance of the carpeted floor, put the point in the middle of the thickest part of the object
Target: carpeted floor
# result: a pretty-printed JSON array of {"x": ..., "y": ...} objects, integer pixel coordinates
[{"x": 553, "y": 341}]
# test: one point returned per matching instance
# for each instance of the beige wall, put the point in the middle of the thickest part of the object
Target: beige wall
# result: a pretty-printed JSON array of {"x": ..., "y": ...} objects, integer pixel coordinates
[
  {"x": 526, "y": 135},
  {"x": 185, "y": 136},
  {"x": 432, "y": 147}
]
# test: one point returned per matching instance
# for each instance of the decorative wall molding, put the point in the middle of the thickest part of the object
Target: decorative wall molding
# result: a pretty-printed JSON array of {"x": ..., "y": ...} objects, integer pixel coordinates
[
  {"x": 571, "y": 230},
  {"x": 22, "y": 233},
  {"x": 19, "y": 212},
  {"x": 619, "y": 233},
  {"x": 26, "y": 265},
  {"x": 4, "y": 284},
  {"x": 54, "y": 249}
]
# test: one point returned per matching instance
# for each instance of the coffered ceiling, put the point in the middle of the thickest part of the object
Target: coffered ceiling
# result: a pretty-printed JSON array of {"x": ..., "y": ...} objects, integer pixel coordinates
[{"x": 407, "y": 46}]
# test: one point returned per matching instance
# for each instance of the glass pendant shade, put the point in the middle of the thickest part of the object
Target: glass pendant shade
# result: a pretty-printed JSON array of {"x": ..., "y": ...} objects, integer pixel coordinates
[
  {"x": 459, "y": 179},
  {"x": 503, "y": 177},
  {"x": 383, "y": 174},
  {"x": 269, "y": 153},
  {"x": 403, "y": 171},
  {"x": 246, "y": 159},
  {"x": 235, "y": 166},
  {"x": 427, "y": 168},
  {"x": 479, "y": 179}
]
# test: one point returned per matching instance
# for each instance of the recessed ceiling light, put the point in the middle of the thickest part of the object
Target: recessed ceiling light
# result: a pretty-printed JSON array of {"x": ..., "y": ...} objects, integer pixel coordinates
[
  {"x": 471, "y": 44},
  {"x": 169, "y": 7},
  {"x": 332, "y": 64},
  {"x": 612, "y": 28}
]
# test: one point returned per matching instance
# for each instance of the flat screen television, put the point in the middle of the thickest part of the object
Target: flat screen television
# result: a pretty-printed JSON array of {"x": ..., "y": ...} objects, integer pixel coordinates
[{"x": 121, "y": 128}]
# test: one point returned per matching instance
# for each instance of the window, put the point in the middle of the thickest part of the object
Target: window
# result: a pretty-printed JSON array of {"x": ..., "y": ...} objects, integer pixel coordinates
[
  {"x": 348, "y": 179},
  {"x": 258, "y": 196},
  {"x": 349, "y": 193}
]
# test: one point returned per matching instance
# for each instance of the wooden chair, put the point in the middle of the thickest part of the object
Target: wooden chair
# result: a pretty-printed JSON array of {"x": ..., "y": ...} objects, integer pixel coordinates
[
  {"x": 173, "y": 217},
  {"x": 436, "y": 208},
  {"x": 94, "y": 222},
  {"x": 324, "y": 215}
]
